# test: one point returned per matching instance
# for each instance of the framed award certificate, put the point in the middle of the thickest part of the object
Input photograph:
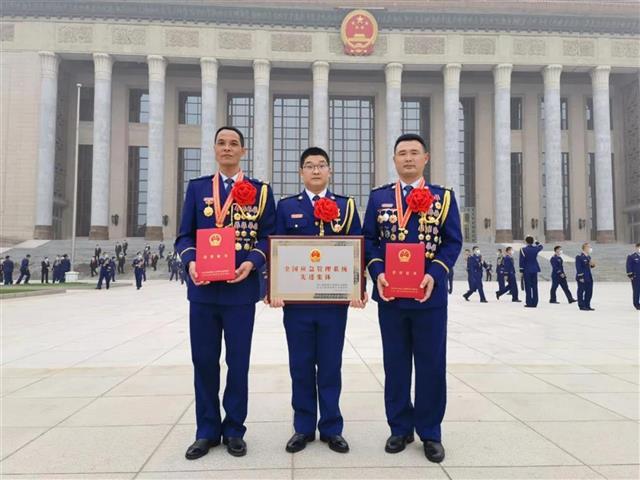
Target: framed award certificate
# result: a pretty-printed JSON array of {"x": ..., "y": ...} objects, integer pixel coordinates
[{"x": 305, "y": 269}]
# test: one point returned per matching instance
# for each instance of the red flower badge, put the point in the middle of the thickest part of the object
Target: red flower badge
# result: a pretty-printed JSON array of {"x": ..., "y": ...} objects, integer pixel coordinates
[
  {"x": 420, "y": 199},
  {"x": 325, "y": 209},
  {"x": 244, "y": 193}
]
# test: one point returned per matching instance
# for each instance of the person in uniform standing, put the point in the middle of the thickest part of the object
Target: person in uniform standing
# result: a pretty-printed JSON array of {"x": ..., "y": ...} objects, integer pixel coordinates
[
  {"x": 7, "y": 270},
  {"x": 161, "y": 248},
  {"x": 633, "y": 272},
  {"x": 25, "y": 272},
  {"x": 113, "y": 267},
  {"x": 118, "y": 249},
  {"x": 509, "y": 282},
  {"x": 584, "y": 264},
  {"x": 65, "y": 266},
  {"x": 558, "y": 277},
  {"x": 105, "y": 273},
  {"x": 97, "y": 251},
  {"x": 121, "y": 261},
  {"x": 413, "y": 331},
  {"x": 499, "y": 272},
  {"x": 125, "y": 245},
  {"x": 138, "y": 266},
  {"x": 315, "y": 332},
  {"x": 529, "y": 268},
  {"x": 226, "y": 199},
  {"x": 474, "y": 271},
  {"x": 44, "y": 270},
  {"x": 55, "y": 270}
]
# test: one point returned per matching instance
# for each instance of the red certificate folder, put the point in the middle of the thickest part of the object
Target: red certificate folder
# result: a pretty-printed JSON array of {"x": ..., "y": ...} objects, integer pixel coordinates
[
  {"x": 216, "y": 254},
  {"x": 404, "y": 270}
]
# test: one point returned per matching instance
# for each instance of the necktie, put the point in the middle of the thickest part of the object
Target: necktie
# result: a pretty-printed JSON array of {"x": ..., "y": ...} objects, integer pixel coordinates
[
  {"x": 229, "y": 183},
  {"x": 407, "y": 190},
  {"x": 315, "y": 199}
]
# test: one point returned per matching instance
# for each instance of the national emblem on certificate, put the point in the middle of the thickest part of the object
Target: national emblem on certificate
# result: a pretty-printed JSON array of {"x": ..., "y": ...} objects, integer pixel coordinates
[{"x": 316, "y": 270}]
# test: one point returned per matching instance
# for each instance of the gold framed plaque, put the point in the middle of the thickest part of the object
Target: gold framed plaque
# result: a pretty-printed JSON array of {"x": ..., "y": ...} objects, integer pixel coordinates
[{"x": 305, "y": 269}]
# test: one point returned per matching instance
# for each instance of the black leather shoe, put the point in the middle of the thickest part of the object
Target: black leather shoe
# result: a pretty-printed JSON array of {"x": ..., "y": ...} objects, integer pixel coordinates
[
  {"x": 397, "y": 443},
  {"x": 497, "y": 296},
  {"x": 235, "y": 446},
  {"x": 298, "y": 442},
  {"x": 591, "y": 309},
  {"x": 336, "y": 443},
  {"x": 550, "y": 301},
  {"x": 200, "y": 448},
  {"x": 517, "y": 301},
  {"x": 434, "y": 451},
  {"x": 466, "y": 298},
  {"x": 572, "y": 301},
  {"x": 483, "y": 301}
]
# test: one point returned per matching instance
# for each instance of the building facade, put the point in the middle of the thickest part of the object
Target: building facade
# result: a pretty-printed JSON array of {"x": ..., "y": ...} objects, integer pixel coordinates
[{"x": 532, "y": 118}]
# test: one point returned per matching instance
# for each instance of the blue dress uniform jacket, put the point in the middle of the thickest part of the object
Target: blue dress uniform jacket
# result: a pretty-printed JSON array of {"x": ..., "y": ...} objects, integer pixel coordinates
[
  {"x": 223, "y": 307},
  {"x": 315, "y": 332},
  {"x": 585, "y": 281},
  {"x": 414, "y": 332},
  {"x": 559, "y": 279},
  {"x": 442, "y": 246},
  {"x": 193, "y": 218},
  {"x": 633, "y": 272},
  {"x": 529, "y": 267}
]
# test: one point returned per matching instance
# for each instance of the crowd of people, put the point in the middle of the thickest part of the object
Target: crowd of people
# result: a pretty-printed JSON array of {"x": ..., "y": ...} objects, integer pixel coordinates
[
  {"x": 529, "y": 268},
  {"x": 102, "y": 265}
]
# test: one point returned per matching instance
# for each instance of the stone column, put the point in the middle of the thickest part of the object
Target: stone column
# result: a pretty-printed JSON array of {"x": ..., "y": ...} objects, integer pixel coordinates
[
  {"x": 49, "y": 62},
  {"x": 209, "y": 73},
  {"x": 451, "y": 128},
  {"x": 321, "y": 105},
  {"x": 602, "y": 136},
  {"x": 552, "y": 152},
  {"x": 502, "y": 150},
  {"x": 102, "y": 64},
  {"x": 157, "y": 68},
  {"x": 393, "y": 75},
  {"x": 261, "y": 130}
]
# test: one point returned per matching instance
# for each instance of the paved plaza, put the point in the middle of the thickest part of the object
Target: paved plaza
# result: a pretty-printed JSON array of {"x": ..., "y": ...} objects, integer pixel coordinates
[{"x": 97, "y": 384}]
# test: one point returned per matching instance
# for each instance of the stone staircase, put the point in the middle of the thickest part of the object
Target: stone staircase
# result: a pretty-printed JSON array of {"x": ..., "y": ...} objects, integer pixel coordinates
[{"x": 84, "y": 252}]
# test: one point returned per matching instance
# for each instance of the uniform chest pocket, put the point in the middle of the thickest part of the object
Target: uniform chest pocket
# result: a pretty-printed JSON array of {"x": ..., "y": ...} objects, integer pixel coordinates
[{"x": 296, "y": 223}]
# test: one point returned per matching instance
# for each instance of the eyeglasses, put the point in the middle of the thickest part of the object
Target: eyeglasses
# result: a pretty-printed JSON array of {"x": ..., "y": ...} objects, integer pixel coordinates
[{"x": 310, "y": 168}]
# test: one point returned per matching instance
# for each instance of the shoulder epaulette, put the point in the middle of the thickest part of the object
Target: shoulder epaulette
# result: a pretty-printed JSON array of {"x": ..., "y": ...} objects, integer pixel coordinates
[
  {"x": 255, "y": 180},
  {"x": 379, "y": 187},
  {"x": 203, "y": 177}
]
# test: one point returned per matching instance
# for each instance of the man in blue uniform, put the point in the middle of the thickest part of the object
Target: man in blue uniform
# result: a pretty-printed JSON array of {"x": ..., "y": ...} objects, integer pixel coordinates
[
  {"x": 229, "y": 307},
  {"x": 499, "y": 272},
  {"x": 25, "y": 272},
  {"x": 413, "y": 331},
  {"x": 105, "y": 273},
  {"x": 65, "y": 266},
  {"x": 584, "y": 264},
  {"x": 529, "y": 268},
  {"x": 474, "y": 271},
  {"x": 44, "y": 270},
  {"x": 509, "y": 281},
  {"x": 315, "y": 332},
  {"x": 558, "y": 277},
  {"x": 7, "y": 270},
  {"x": 633, "y": 272},
  {"x": 138, "y": 266}
]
